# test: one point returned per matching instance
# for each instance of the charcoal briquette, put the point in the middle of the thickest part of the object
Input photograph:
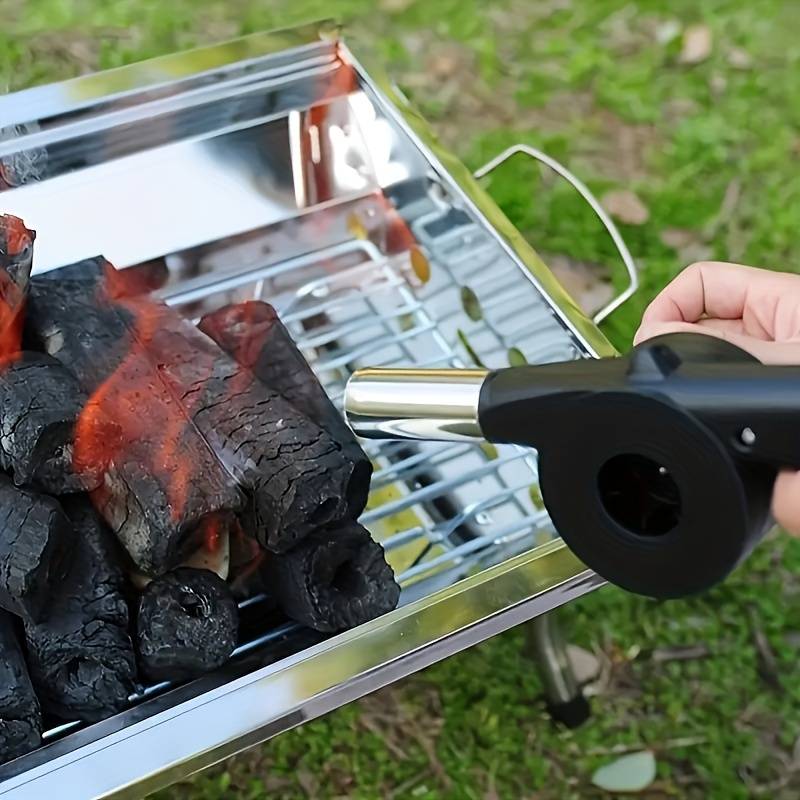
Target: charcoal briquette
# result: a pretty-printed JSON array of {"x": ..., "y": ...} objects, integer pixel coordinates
[
  {"x": 35, "y": 547},
  {"x": 187, "y": 625},
  {"x": 334, "y": 580},
  {"x": 20, "y": 715},
  {"x": 163, "y": 486},
  {"x": 40, "y": 402},
  {"x": 80, "y": 654},
  {"x": 255, "y": 337}
]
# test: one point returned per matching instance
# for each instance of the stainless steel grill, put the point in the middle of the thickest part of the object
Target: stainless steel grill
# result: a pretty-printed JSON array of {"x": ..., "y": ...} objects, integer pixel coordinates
[{"x": 277, "y": 167}]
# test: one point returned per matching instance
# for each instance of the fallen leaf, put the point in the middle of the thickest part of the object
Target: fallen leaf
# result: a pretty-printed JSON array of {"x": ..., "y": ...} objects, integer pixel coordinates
[
  {"x": 536, "y": 497},
  {"x": 631, "y": 773},
  {"x": 585, "y": 665},
  {"x": 626, "y": 206},
  {"x": 446, "y": 62},
  {"x": 420, "y": 264},
  {"x": 584, "y": 281},
  {"x": 489, "y": 450},
  {"x": 465, "y": 343},
  {"x": 687, "y": 652},
  {"x": 740, "y": 59},
  {"x": 698, "y": 42},
  {"x": 718, "y": 84},
  {"x": 395, "y": 6},
  {"x": 678, "y": 238},
  {"x": 690, "y": 245},
  {"x": 471, "y": 304}
]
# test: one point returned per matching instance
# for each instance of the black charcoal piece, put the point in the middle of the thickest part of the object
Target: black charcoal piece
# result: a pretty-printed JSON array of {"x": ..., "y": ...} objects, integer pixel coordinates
[
  {"x": 80, "y": 654},
  {"x": 163, "y": 487},
  {"x": 254, "y": 336},
  {"x": 187, "y": 625},
  {"x": 35, "y": 547},
  {"x": 40, "y": 402},
  {"x": 336, "y": 579},
  {"x": 294, "y": 475},
  {"x": 20, "y": 716}
]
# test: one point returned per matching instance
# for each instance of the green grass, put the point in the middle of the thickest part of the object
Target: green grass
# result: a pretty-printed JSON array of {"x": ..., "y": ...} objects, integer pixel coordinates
[{"x": 712, "y": 150}]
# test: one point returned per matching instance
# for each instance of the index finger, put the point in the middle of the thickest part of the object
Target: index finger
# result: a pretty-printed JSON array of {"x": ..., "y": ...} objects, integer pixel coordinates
[{"x": 709, "y": 289}]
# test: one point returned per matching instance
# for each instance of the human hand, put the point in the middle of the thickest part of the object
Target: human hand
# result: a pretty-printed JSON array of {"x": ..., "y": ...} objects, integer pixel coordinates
[{"x": 757, "y": 310}]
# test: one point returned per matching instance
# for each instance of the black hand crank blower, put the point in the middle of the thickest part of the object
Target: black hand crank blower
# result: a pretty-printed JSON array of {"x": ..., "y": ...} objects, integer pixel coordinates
[{"x": 656, "y": 468}]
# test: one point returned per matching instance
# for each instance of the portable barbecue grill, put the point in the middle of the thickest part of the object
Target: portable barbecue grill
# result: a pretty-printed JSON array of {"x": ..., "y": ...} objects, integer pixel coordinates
[{"x": 277, "y": 167}]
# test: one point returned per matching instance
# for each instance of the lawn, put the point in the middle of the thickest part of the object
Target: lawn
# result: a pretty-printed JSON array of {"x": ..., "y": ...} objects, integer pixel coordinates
[{"x": 694, "y": 107}]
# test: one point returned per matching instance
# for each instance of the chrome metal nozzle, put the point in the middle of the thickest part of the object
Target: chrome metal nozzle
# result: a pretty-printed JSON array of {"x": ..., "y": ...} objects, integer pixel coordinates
[{"x": 434, "y": 404}]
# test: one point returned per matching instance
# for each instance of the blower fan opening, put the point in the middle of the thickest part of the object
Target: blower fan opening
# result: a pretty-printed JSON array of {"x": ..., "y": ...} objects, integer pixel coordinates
[{"x": 639, "y": 494}]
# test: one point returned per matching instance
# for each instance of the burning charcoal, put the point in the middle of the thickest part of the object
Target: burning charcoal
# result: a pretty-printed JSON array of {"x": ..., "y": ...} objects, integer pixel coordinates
[
  {"x": 16, "y": 249},
  {"x": 187, "y": 625},
  {"x": 171, "y": 384},
  {"x": 16, "y": 254},
  {"x": 80, "y": 654},
  {"x": 164, "y": 488},
  {"x": 40, "y": 401},
  {"x": 34, "y": 544},
  {"x": 255, "y": 337},
  {"x": 294, "y": 475},
  {"x": 336, "y": 579},
  {"x": 20, "y": 717}
]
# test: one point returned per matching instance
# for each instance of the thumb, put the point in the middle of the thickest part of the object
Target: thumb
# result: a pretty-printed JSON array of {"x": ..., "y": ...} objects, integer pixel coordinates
[{"x": 786, "y": 502}]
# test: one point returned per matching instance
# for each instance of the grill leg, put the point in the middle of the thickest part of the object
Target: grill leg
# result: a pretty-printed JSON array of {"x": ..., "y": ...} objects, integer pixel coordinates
[{"x": 544, "y": 643}]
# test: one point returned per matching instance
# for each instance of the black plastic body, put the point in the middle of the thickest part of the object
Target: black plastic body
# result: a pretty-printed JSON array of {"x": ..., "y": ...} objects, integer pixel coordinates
[{"x": 716, "y": 423}]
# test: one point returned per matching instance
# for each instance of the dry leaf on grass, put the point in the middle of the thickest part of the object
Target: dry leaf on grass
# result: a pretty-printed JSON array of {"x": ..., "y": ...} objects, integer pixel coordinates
[
  {"x": 626, "y": 206},
  {"x": 698, "y": 41},
  {"x": 585, "y": 664},
  {"x": 395, "y": 6},
  {"x": 585, "y": 281},
  {"x": 631, "y": 773},
  {"x": 739, "y": 59},
  {"x": 690, "y": 245}
]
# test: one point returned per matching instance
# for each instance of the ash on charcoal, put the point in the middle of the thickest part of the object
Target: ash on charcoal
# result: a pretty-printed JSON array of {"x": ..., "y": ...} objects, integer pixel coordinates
[
  {"x": 187, "y": 624},
  {"x": 336, "y": 579},
  {"x": 40, "y": 401},
  {"x": 20, "y": 716},
  {"x": 163, "y": 486},
  {"x": 254, "y": 336},
  {"x": 80, "y": 654},
  {"x": 35, "y": 548}
]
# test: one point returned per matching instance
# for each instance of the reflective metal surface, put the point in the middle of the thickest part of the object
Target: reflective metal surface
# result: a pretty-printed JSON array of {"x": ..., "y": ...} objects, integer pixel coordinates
[
  {"x": 475, "y": 198},
  {"x": 437, "y": 405},
  {"x": 189, "y": 736},
  {"x": 276, "y": 167}
]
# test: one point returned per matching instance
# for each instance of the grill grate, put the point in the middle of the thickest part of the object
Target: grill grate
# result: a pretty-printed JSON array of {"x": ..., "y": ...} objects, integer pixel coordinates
[{"x": 441, "y": 510}]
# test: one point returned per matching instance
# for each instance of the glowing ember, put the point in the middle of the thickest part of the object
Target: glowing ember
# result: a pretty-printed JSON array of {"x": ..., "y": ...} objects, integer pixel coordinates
[{"x": 16, "y": 254}]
